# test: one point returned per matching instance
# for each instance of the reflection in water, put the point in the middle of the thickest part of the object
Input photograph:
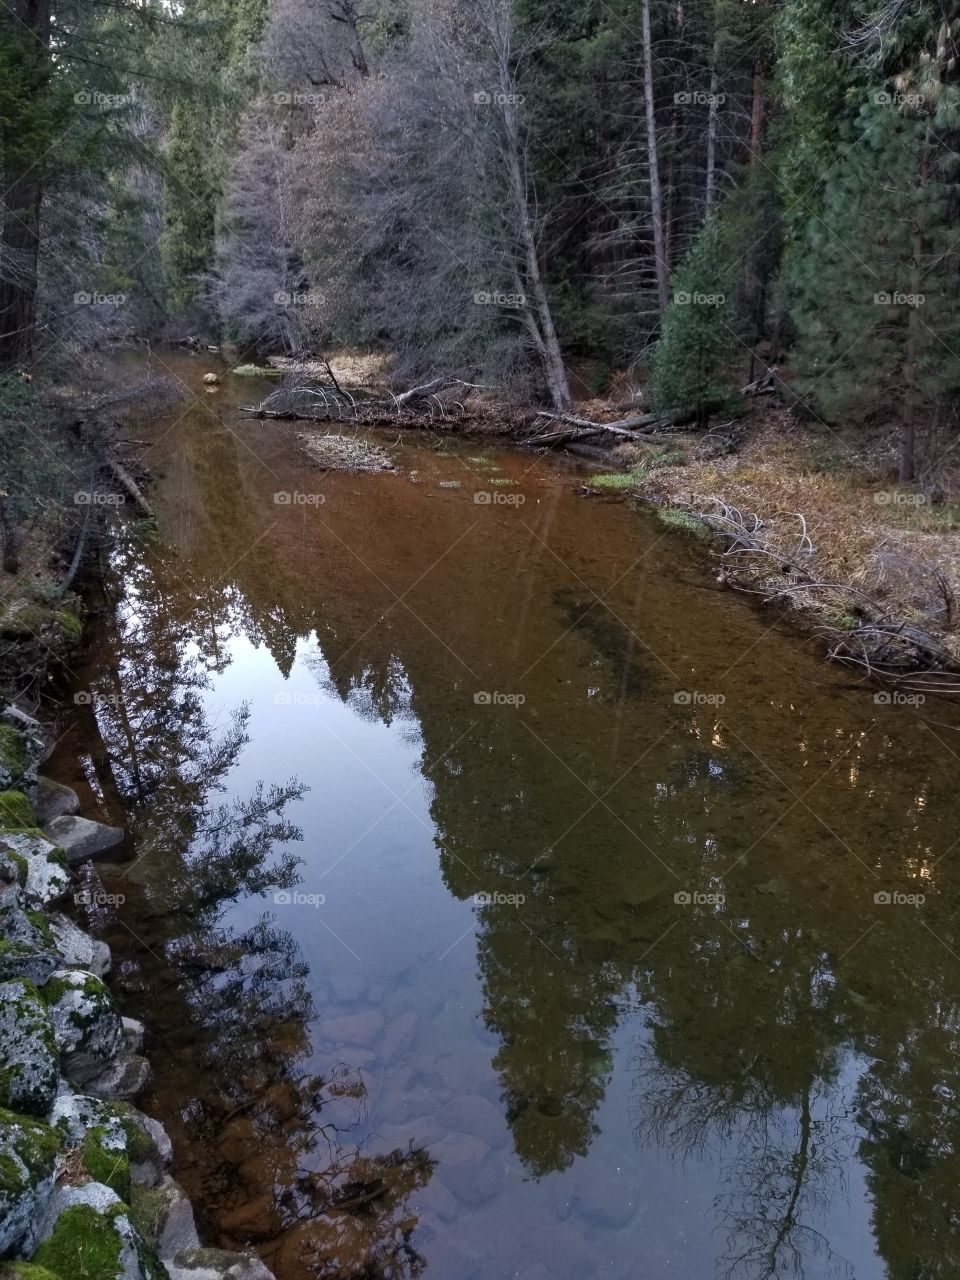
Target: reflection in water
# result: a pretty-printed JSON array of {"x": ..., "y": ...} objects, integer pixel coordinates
[{"x": 676, "y": 1025}]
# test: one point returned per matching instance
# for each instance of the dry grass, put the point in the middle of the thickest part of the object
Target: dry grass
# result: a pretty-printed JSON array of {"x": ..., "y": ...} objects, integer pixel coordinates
[
  {"x": 890, "y": 543},
  {"x": 345, "y": 453}
]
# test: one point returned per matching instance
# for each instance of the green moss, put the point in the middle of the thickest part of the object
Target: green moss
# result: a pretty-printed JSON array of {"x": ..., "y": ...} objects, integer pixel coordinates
[
  {"x": 16, "y": 811},
  {"x": 620, "y": 480},
  {"x": 35, "y": 1143},
  {"x": 84, "y": 1243},
  {"x": 25, "y": 1271},
  {"x": 13, "y": 755},
  {"x": 70, "y": 625},
  {"x": 40, "y": 922},
  {"x": 104, "y": 1164},
  {"x": 140, "y": 1146},
  {"x": 682, "y": 520},
  {"x": 148, "y": 1210}
]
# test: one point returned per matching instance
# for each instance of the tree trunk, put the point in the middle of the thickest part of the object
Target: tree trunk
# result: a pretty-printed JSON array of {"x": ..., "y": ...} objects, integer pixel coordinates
[
  {"x": 656, "y": 194},
  {"x": 25, "y": 27},
  {"x": 538, "y": 304},
  {"x": 713, "y": 108}
]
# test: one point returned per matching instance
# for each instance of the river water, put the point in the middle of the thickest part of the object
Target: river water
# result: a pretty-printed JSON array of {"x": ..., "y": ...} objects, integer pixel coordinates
[{"x": 503, "y": 898}]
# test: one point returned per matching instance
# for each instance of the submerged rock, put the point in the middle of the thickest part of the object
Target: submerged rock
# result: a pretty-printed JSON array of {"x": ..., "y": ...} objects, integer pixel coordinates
[
  {"x": 82, "y": 838},
  {"x": 86, "y": 1024},
  {"x": 28, "y": 1052},
  {"x": 55, "y": 800},
  {"x": 28, "y": 1153},
  {"x": 216, "y": 1264},
  {"x": 78, "y": 950}
]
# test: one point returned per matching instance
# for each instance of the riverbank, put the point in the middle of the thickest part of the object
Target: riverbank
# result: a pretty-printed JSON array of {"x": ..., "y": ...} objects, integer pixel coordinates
[{"x": 85, "y": 1187}]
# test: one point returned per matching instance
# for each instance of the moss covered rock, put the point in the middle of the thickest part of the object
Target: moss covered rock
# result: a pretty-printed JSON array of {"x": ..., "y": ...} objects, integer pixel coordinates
[
  {"x": 14, "y": 761},
  {"x": 26, "y": 1271},
  {"x": 97, "y": 1130},
  {"x": 27, "y": 948},
  {"x": 86, "y": 1024},
  {"x": 46, "y": 877},
  {"x": 88, "y": 1233},
  {"x": 29, "y": 1061},
  {"x": 16, "y": 811},
  {"x": 28, "y": 1152}
]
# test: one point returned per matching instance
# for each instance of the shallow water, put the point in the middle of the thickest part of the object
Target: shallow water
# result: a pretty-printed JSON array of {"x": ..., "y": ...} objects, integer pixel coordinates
[{"x": 578, "y": 967}]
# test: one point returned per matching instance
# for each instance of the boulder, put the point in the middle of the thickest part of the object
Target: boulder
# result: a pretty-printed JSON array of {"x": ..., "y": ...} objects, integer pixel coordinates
[
  {"x": 21, "y": 748},
  {"x": 98, "y": 1131},
  {"x": 81, "y": 838},
  {"x": 211, "y": 379},
  {"x": 54, "y": 800},
  {"x": 124, "y": 1079},
  {"x": 216, "y": 1264},
  {"x": 28, "y": 1052},
  {"x": 78, "y": 950},
  {"x": 92, "y": 1222},
  {"x": 163, "y": 1216},
  {"x": 45, "y": 874},
  {"x": 150, "y": 1149},
  {"x": 86, "y": 1024},
  {"x": 16, "y": 811},
  {"x": 27, "y": 948},
  {"x": 28, "y": 1153}
]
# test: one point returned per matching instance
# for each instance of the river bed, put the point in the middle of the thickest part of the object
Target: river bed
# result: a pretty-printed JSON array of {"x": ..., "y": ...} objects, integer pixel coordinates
[{"x": 503, "y": 898}]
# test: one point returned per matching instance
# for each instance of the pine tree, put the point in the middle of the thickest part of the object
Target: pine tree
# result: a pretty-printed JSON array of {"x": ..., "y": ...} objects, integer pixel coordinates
[{"x": 692, "y": 359}]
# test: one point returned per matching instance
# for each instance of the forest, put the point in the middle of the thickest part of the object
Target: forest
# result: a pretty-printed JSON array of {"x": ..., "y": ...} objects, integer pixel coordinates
[{"x": 550, "y": 197}]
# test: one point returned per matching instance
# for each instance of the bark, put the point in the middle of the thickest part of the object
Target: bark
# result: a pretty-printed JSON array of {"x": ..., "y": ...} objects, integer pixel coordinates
[
  {"x": 712, "y": 120},
  {"x": 22, "y": 188},
  {"x": 911, "y": 400},
  {"x": 8, "y": 527},
  {"x": 653, "y": 166}
]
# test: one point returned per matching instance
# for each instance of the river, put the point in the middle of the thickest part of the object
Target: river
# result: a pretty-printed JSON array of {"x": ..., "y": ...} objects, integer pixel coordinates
[{"x": 504, "y": 898}]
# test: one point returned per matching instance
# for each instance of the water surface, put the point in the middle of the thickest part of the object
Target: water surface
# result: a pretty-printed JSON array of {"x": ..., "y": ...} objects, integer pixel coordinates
[{"x": 504, "y": 899}]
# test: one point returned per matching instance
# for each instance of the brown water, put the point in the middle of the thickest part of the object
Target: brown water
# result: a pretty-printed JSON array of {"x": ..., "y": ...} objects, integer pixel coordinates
[{"x": 367, "y": 1070}]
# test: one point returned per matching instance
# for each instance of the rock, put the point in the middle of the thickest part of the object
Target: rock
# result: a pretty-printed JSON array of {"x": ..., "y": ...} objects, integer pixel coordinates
[
  {"x": 215, "y": 1264},
  {"x": 133, "y": 1032},
  {"x": 98, "y": 1131},
  {"x": 78, "y": 950},
  {"x": 21, "y": 749},
  {"x": 28, "y": 1153},
  {"x": 46, "y": 877},
  {"x": 348, "y": 987},
  {"x": 92, "y": 1222},
  {"x": 28, "y": 1052},
  {"x": 476, "y": 1116},
  {"x": 54, "y": 800},
  {"x": 468, "y": 1168},
  {"x": 125, "y": 1078},
  {"x": 81, "y": 838},
  {"x": 16, "y": 811},
  {"x": 359, "y": 1029},
  {"x": 163, "y": 1216},
  {"x": 27, "y": 948},
  {"x": 150, "y": 1148},
  {"x": 211, "y": 379},
  {"x": 86, "y": 1024}
]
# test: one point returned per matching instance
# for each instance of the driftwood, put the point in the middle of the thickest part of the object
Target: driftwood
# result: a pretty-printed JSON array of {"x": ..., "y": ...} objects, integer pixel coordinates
[{"x": 127, "y": 482}]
